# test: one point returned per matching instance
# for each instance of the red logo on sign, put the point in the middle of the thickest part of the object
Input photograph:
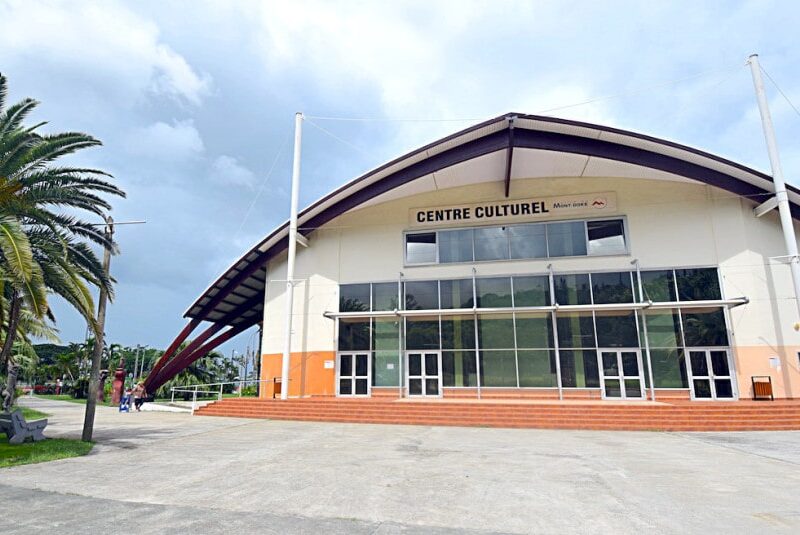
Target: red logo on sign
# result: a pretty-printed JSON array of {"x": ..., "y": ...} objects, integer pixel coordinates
[{"x": 599, "y": 203}]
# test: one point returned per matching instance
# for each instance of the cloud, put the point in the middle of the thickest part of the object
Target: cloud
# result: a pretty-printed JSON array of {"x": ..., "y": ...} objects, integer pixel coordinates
[
  {"x": 166, "y": 142},
  {"x": 99, "y": 37},
  {"x": 226, "y": 170}
]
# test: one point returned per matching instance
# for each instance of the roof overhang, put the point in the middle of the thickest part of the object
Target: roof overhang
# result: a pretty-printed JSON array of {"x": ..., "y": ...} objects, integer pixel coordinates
[{"x": 236, "y": 297}]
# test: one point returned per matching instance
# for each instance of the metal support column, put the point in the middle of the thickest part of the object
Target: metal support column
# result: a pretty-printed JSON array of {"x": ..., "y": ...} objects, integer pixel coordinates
[
  {"x": 555, "y": 331},
  {"x": 644, "y": 332}
]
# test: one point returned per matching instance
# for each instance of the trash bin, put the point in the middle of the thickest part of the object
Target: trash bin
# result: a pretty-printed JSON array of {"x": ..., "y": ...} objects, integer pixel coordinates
[{"x": 276, "y": 387}]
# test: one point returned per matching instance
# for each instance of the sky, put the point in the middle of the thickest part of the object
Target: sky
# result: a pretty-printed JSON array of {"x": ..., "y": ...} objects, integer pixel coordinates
[{"x": 194, "y": 102}]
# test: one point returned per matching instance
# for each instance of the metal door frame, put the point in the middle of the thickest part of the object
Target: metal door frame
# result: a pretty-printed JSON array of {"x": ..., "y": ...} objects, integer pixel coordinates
[{"x": 423, "y": 376}]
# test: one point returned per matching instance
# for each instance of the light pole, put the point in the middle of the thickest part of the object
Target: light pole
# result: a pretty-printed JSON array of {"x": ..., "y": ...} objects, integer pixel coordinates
[{"x": 97, "y": 353}]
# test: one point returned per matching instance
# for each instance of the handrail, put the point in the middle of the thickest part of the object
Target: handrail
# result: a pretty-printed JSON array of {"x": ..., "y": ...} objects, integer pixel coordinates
[{"x": 195, "y": 389}]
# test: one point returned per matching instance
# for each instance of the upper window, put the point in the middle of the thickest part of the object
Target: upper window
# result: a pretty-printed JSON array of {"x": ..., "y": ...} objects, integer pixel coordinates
[
  {"x": 421, "y": 248},
  {"x": 517, "y": 242},
  {"x": 606, "y": 237},
  {"x": 566, "y": 239}
]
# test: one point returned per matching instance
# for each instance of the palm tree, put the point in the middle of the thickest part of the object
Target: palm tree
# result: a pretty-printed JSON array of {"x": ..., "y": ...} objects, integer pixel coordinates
[{"x": 44, "y": 247}]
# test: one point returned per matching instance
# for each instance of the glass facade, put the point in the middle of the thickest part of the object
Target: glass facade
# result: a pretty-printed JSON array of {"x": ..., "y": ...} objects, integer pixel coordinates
[
  {"x": 515, "y": 242},
  {"x": 494, "y": 336}
]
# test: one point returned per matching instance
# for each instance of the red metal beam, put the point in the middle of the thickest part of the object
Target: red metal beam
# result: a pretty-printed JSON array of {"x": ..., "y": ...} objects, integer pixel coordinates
[
  {"x": 191, "y": 326},
  {"x": 194, "y": 344},
  {"x": 185, "y": 359}
]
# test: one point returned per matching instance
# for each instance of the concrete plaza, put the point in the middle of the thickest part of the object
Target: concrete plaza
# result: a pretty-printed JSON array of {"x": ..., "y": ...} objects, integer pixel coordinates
[{"x": 155, "y": 472}]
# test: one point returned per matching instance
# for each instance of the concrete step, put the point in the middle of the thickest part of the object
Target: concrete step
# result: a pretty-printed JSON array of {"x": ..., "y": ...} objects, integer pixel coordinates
[{"x": 737, "y": 416}]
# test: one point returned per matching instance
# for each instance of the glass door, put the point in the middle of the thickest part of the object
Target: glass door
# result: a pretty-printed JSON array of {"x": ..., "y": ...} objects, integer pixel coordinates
[
  {"x": 710, "y": 374},
  {"x": 621, "y": 373},
  {"x": 424, "y": 376},
  {"x": 354, "y": 374}
]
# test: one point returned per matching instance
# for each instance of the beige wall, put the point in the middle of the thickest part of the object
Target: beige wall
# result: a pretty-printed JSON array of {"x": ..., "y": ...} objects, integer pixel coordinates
[{"x": 669, "y": 224}]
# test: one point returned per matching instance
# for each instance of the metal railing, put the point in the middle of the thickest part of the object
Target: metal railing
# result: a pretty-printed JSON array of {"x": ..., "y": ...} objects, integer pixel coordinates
[{"x": 217, "y": 389}]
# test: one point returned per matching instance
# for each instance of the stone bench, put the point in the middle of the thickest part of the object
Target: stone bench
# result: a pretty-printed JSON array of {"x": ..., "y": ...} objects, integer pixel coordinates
[{"x": 17, "y": 429}]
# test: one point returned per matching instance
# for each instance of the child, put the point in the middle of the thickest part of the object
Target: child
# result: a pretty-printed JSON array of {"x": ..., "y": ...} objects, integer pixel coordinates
[{"x": 125, "y": 401}]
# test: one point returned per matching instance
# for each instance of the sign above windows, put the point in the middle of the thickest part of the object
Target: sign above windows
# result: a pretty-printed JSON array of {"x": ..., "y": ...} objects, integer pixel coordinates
[{"x": 514, "y": 209}]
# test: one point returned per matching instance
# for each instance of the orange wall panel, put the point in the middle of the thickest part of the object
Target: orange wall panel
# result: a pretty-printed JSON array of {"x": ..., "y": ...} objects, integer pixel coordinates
[
  {"x": 308, "y": 375},
  {"x": 755, "y": 360}
]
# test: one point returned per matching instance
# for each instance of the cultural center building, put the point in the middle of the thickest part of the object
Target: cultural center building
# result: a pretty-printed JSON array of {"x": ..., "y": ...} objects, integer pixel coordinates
[{"x": 525, "y": 257}]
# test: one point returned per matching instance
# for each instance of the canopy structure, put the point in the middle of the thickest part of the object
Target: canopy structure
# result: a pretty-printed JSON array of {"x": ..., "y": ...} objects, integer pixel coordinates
[{"x": 509, "y": 147}]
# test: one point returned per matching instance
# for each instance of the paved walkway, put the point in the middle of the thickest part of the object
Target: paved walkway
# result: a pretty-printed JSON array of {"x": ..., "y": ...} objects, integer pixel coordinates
[{"x": 205, "y": 474}]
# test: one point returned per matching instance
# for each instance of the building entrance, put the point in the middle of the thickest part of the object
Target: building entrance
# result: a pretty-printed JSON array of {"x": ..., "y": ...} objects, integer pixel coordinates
[
  {"x": 710, "y": 374},
  {"x": 621, "y": 373},
  {"x": 354, "y": 374},
  {"x": 424, "y": 376}
]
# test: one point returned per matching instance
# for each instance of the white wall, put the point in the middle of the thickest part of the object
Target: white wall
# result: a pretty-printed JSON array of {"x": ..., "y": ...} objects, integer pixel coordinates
[{"x": 670, "y": 224}]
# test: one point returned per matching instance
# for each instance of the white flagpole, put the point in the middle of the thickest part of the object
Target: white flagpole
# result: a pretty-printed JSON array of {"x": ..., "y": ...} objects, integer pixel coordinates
[
  {"x": 287, "y": 348},
  {"x": 781, "y": 196}
]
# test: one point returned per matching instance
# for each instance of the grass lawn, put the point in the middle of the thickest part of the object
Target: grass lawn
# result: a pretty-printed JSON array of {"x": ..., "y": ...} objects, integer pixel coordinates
[
  {"x": 39, "y": 452},
  {"x": 67, "y": 397},
  {"x": 32, "y": 414}
]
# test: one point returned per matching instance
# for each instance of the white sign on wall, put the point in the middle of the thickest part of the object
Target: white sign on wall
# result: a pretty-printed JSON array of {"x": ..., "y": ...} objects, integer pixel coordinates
[
  {"x": 514, "y": 209},
  {"x": 328, "y": 364}
]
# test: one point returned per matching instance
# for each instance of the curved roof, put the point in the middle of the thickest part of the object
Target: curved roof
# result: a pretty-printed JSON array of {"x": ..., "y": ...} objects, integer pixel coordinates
[{"x": 236, "y": 297}]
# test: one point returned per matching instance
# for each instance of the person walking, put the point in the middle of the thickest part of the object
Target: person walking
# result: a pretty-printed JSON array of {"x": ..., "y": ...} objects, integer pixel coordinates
[{"x": 138, "y": 396}]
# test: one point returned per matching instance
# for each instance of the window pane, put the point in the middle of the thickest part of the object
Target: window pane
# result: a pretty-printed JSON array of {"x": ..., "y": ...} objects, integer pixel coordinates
[
  {"x": 361, "y": 387},
  {"x": 353, "y": 334},
  {"x": 498, "y": 368},
  {"x": 659, "y": 286},
  {"x": 698, "y": 284},
  {"x": 386, "y": 368},
  {"x": 534, "y": 330},
  {"x": 612, "y": 287},
  {"x": 415, "y": 364},
  {"x": 723, "y": 388},
  {"x": 386, "y": 352},
  {"x": 566, "y": 239},
  {"x": 493, "y": 292},
  {"x": 537, "y": 368},
  {"x": 572, "y": 289},
  {"x": 491, "y": 243},
  {"x": 354, "y": 298},
  {"x": 704, "y": 327},
  {"x": 699, "y": 363},
  {"x": 606, "y": 237},
  {"x": 431, "y": 364},
  {"x": 458, "y": 368},
  {"x": 531, "y": 291},
  {"x": 579, "y": 369},
  {"x": 422, "y": 295},
  {"x": 575, "y": 329},
  {"x": 456, "y": 293},
  {"x": 663, "y": 328},
  {"x": 528, "y": 241},
  {"x": 345, "y": 387},
  {"x": 421, "y": 248},
  {"x": 422, "y": 332},
  {"x": 458, "y": 332},
  {"x": 719, "y": 363},
  {"x": 616, "y": 328},
  {"x": 455, "y": 246},
  {"x": 384, "y": 296},
  {"x": 496, "y": 331},
  {"x": 362, "y": 365},
  {"x": 669, "y": 368},
  {"x": 345, "y": 365}
]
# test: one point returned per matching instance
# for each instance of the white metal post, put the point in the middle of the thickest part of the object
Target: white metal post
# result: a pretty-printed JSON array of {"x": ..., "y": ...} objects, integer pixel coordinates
[
  {"x": 777, "y": 178},
  {"x": 554, "y": 324},
  {"x": 287, "y": 348}
]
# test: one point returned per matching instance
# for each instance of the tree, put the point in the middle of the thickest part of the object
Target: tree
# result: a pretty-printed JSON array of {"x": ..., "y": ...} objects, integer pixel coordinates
[{"x": 44, "y": 246}]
